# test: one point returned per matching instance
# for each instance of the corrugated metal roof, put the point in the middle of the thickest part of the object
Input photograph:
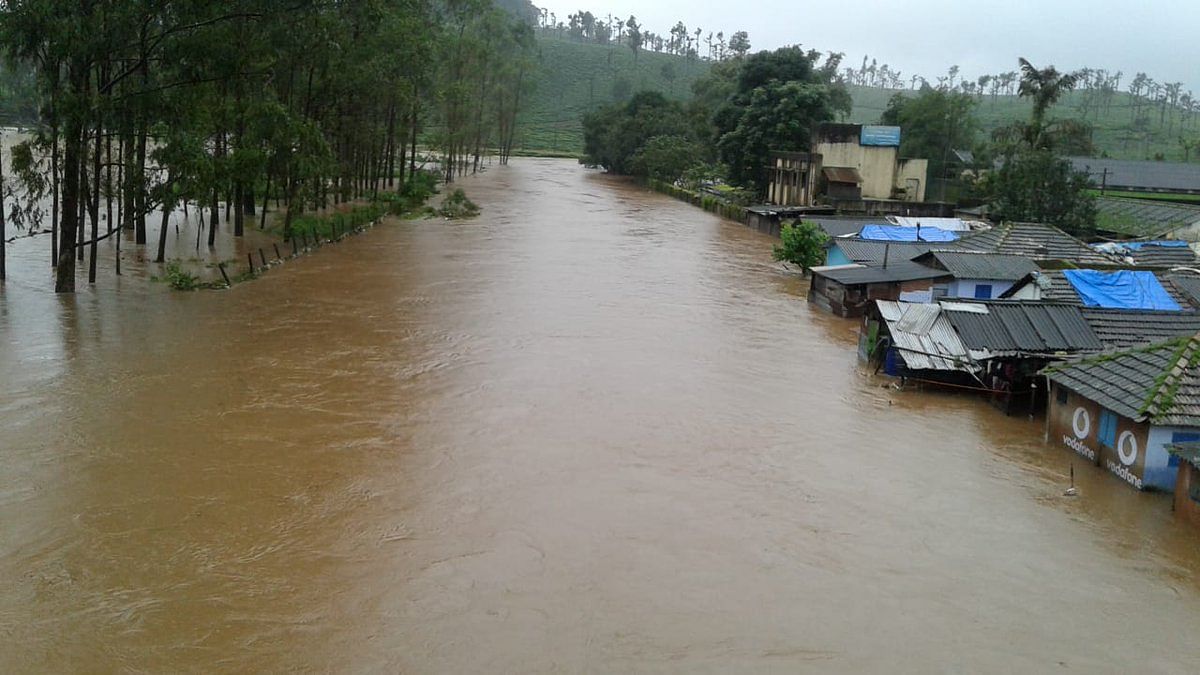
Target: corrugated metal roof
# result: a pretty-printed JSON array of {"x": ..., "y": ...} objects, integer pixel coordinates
[
  {"x": 1025, "y": 327},
  {"x": 1144, "y": 217},
  {"x": 1139, "y": 174},
  {"x": 1122, "y": 329},
  {"x": 842, "y": 174},
  {"x": 975, "y": 265},
  {"x": 1035, "y": 241},
  {"x": 1055, "y": 287},
  {"x": 924, "y": 338},
  {"x": 1188, "y": 452},
  {"x": 904, "y": 270},
  {"x": 1160, "y": 383},
  {"x": 836, "y": 226},
  {"x": 1187, "y": 284},
  {"x": 1162, "y": 256},
  {"x": 870, "y": 251}
]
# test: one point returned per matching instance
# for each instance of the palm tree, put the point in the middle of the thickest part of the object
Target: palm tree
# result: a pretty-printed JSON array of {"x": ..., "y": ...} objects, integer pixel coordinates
[{"x": 1044, "y": 87}]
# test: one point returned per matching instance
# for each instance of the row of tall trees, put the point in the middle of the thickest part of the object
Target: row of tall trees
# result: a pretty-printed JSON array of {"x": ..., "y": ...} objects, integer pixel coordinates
[
  {"x": 584, "y": 26},
  {"x": 148, "y": 105}
]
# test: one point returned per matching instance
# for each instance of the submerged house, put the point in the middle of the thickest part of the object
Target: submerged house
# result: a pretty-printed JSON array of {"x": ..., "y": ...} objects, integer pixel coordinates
[
  {"x": 1144, "y": 219},
  {"x": 1123, "y": 411},
  {"x": 850, "y": 290},
  {"x": 1046, "y": 245},
  {"x": 997, "y": 346},
  {"x": 982, "y": 276},
  {"x": 1145, "y": 290},
  {"x": 1162, "y": 254},
  {"x": 1187, "y": 480},
  {"x": 851, "y": 250}
]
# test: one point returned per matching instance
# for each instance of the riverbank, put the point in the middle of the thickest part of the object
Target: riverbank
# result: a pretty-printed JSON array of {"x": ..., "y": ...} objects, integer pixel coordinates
[{"x": 190, "y": 263}]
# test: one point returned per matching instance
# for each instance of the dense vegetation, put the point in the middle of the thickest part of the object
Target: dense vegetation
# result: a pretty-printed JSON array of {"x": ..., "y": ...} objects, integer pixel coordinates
[
  {"x": 1127, "y": 117},
  {"x": 144, "y": 106},
  {"x": 744, "y": 109}
]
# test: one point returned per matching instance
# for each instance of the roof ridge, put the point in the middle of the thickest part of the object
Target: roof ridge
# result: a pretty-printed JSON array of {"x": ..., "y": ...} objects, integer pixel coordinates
[
  {"x": 1172, "y": 343},
  {"x": 1162, "y": 397}
]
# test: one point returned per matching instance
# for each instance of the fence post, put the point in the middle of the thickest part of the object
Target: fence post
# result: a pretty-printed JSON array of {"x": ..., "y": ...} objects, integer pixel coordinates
[
  {"x": 264, "y": 258},
  {"x": 221, "y": 266},
  {"x": 250, "y": 259}
]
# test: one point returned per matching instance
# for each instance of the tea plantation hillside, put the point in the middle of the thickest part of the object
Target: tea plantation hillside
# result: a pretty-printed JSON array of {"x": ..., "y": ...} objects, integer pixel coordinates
[
  {"x": 1116, "y": 134},
  {"x": 573, "y": 78}
]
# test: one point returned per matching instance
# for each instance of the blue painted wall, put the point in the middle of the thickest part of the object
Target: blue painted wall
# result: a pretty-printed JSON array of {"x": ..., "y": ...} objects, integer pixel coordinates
[{"x": 835, "y": 257}]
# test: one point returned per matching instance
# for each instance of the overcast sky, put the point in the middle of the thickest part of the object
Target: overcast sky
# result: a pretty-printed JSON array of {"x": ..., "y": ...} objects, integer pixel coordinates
[{"x": 1158, "y": 37}]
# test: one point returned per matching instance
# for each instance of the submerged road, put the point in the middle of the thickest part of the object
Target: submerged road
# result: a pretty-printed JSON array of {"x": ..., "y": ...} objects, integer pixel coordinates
[{"x": 595, "y": 430}]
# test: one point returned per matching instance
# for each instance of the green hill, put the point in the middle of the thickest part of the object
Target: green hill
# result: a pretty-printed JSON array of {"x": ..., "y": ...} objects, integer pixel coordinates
[
  {"x": 575, "y": 77},
  {"x": 1117, "y": 134}
]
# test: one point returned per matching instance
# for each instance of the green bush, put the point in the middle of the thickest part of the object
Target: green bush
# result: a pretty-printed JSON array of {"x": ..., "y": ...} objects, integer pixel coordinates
[
  {"x": 456, "y": 205},
  {"x": 803, "y": 245},
  {"x": 180, "y": 280}
]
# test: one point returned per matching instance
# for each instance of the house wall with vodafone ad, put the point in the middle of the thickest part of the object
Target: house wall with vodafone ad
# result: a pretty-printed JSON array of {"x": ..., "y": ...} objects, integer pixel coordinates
[{"x": 1075, "y": 424}]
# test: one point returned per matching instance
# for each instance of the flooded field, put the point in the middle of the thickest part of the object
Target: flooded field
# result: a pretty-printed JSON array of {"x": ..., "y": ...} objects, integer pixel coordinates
[{"x": 595, "y": 430}]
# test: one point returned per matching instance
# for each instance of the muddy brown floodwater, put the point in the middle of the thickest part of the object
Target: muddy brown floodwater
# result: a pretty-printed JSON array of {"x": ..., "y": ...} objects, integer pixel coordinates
[{"x": 594, "y": 431}]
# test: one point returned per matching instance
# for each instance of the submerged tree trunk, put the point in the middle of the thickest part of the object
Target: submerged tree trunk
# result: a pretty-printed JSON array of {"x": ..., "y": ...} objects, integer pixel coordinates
[
  {"x": 65, "y": 279},
  {"x": 3, "y": 233},
  {"x": 162, "y": 231},
  {"x": 95, "y": 201},
  {"x": 54, "y": 194}
]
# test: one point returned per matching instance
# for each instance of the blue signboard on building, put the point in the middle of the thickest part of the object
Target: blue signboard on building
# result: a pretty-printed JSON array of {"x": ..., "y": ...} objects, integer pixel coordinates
[{"x": 881, "y": 136}]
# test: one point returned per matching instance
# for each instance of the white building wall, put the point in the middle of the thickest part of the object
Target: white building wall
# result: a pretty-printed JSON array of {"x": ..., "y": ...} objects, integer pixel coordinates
[{"x": 965, "y": 288}]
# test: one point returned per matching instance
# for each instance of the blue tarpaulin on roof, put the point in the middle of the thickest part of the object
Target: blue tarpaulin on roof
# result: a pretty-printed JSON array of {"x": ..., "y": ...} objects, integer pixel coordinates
[
  {"x": 1124, "y": 289},
  {"x": 897, "y": 233},
  {"x": 1139, "y": 245}
]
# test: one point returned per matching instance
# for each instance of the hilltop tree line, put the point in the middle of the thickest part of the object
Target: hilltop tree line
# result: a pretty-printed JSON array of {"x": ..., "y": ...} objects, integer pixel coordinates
[
  {"x": 693, "y": 44},
  {"x": 747, "y": 108},
  {"x": 144, "y": 107}
]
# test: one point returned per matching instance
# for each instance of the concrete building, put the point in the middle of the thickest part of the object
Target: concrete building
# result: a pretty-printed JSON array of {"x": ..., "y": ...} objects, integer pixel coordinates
[
  {"x": 851, "y": 164},
  {"x": 873, "y": 153}
]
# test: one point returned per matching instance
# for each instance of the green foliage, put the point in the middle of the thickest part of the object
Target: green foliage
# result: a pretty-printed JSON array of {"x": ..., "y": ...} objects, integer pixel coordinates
[
  {"x": 933, "y": 123},
  {"x": 456, "y": 206},
  {"x": 1038, "y": 186},
  {"x": 180, "y": 280},
  {"x": 615, "y": 134},
  {"x": 803, "y": 244},
  {"x": 778, "y": 98},
  {"x": 666, "y": 157},
  {"x": 775, "y": 116},
  {"x": 327, "y": 226},
  {"x": 412, "y": 196}
]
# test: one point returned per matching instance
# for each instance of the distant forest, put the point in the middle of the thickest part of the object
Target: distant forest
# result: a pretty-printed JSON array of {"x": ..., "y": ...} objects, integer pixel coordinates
[{"x": 1129, "y": 116}]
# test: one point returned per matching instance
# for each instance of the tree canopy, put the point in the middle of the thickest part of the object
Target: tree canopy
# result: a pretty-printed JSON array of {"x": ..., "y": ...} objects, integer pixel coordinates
[{"x": 218, "y": 102}]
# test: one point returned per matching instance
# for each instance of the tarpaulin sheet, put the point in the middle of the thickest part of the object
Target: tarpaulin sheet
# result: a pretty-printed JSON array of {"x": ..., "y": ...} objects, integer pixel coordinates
[
  {"x": 951, "y": 224},
  {"x": 1139, "y": 245},
  {"x": 897, "y": 233},
  {"x": 1125, "y": 289}
]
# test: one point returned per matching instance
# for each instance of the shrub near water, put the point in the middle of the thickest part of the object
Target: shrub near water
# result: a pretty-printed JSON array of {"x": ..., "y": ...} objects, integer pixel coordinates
[
  {"x": 179, "y": 279},
  {"x": 456, "y": 205},
  {"x": 803, "y": 245}
]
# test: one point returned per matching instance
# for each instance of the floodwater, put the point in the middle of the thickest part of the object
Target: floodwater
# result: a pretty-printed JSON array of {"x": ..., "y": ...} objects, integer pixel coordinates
[{"x": 595, "y": 430}]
